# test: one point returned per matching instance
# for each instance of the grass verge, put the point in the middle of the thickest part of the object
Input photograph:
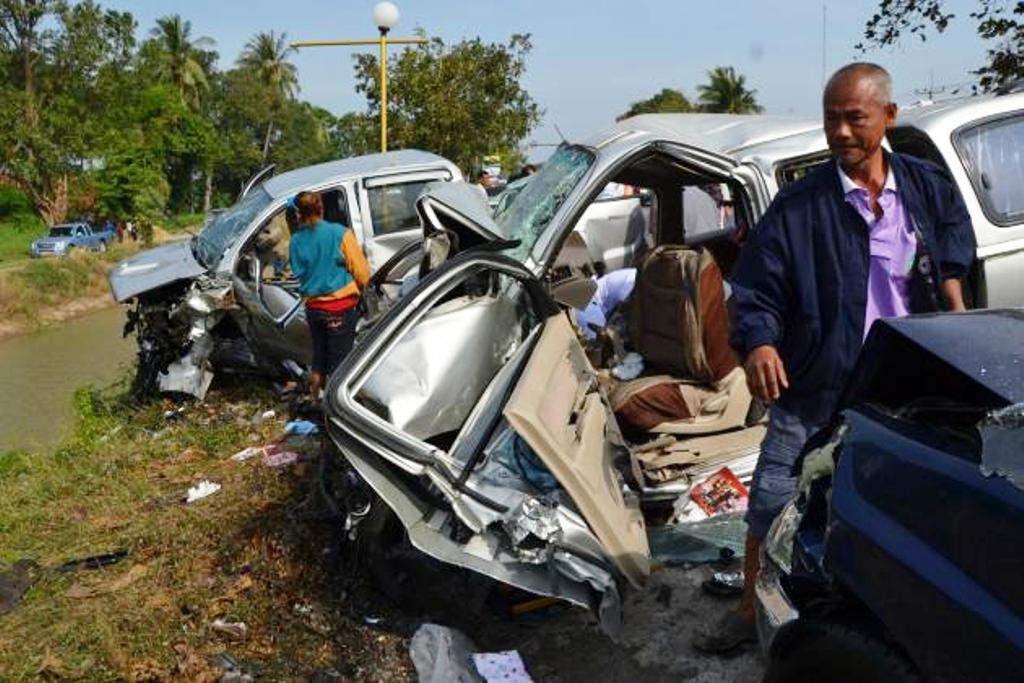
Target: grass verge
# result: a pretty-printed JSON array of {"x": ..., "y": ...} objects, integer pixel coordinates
[
  {"x": 243, "y": 554},
  {"x": 48, "y": 290}
]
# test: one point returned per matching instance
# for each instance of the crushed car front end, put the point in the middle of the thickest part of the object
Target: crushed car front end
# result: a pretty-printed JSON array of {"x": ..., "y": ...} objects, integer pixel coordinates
[{"x": 903, "y": 521}]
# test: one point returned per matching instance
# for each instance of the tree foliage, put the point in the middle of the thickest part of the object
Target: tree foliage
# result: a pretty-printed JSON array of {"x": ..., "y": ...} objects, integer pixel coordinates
[
  {"x": 266, "y": 55},
  {"x": 726, "y": 92},
  {"x": 463, "y": 101},
  {"x": 668, "y": 101},
  {"x": 999, "y": 21},
  {"x": 99, "y": 123}
]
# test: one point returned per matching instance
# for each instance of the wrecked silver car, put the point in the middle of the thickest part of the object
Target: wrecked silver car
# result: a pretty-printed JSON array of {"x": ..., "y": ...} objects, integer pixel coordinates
[
  {"x": 227, "y": 300},
  {"x": 507, "y": 437},
  {"x": 515, "y": 435}
]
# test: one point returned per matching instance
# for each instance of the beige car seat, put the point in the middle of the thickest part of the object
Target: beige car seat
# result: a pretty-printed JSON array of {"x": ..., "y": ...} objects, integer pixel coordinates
[{"x": 679, "y": 324}]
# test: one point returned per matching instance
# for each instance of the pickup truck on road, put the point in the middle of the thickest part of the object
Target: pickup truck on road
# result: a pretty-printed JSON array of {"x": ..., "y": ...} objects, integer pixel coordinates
[{"x": 65, "y": 238}]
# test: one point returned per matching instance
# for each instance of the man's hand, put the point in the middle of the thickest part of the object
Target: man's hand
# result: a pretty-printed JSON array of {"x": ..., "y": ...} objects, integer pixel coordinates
[{"x": 766, "y": 375}]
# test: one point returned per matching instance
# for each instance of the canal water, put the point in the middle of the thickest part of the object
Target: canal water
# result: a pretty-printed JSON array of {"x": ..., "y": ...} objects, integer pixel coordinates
[{"x": 39, "y": 373}]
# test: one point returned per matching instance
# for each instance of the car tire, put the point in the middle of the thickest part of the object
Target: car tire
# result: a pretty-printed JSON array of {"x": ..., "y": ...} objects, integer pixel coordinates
[
  {"x": 407, "y": 576},
  {"x": 833, "y": 652}
]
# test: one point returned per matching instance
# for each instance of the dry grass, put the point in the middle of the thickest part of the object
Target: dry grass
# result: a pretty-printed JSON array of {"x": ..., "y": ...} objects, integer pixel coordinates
[{"x": 243, "y": 554}]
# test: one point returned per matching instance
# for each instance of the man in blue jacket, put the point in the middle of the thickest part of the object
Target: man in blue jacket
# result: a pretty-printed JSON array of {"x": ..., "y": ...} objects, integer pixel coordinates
[{"x": 869, "y": 234}]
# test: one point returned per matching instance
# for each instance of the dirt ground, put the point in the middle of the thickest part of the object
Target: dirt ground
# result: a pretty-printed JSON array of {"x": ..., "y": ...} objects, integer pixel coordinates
[{"x": 564, "y": 644}]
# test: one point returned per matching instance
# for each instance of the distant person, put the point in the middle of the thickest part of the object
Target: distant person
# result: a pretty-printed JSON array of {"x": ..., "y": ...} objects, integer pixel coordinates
[
  {"x": 332, "y": 270},
  {"x": 120, "y": 232},
  {"x": 524, "y": 172},
  {"x": 483, "y": 182},
  {"x": 133, "y": 231}
]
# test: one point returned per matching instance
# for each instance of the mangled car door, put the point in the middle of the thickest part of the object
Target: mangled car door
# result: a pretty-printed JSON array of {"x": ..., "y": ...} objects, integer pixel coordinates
[
  {"x": 417, "y": 409},
  {"x": 558, "y": 408},
  {"x": 455, "y": 217}
]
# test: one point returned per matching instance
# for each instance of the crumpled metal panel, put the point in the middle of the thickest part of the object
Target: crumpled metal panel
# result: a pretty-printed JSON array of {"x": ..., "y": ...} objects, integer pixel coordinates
[{"x": 433, "y": 377}]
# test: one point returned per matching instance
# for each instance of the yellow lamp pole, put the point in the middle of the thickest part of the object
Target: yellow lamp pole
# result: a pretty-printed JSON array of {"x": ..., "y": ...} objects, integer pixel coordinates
[{"x": 385, "y": 15}]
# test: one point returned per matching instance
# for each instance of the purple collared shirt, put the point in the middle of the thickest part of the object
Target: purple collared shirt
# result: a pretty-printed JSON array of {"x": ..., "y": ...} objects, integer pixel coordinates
[{"x": 893, "y": 247}]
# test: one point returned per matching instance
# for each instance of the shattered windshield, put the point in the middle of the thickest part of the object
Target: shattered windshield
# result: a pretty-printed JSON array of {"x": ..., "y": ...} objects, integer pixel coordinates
[
  {"x": 529, "y": 214},
  {"x": 226, "y": 227}
]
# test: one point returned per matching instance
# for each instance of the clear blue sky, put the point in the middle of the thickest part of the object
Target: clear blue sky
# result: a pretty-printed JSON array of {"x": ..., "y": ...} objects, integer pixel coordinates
[{"x": 592, "y": 58}]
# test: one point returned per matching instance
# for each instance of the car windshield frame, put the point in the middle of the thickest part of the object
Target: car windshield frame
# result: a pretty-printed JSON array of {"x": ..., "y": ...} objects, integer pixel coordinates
[
  {"x": 61, "y": 231},
  {"x": 227, "y": 227},
  {"x": 530, "y": 213}
]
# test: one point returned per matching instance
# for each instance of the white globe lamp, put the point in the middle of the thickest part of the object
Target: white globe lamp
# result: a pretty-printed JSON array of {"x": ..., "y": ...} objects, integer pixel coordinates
[{"x": 385, "y": 16}]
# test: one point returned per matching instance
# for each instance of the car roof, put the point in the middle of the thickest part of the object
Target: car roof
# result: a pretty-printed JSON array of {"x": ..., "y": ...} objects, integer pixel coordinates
[
  {"x": 724, "y": 134},
  {"x": 293, "y": 181},
  {"x": 955, "y": 112}
]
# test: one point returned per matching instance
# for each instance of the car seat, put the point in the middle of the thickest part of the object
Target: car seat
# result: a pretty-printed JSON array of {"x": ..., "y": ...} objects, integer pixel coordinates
[{"x": 679, "y": 324}]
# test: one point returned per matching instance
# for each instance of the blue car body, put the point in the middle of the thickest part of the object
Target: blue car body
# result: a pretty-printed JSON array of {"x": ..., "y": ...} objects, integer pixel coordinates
[{"x": 913, "y": 536}]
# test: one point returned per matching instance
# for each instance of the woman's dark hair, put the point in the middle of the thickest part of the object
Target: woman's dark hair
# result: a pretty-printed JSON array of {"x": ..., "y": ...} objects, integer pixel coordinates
[{"x": 309, "y": 205}]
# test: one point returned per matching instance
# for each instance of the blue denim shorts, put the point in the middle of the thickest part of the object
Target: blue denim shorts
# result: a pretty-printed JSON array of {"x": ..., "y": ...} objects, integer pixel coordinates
[{"x": 774, "y": 482}]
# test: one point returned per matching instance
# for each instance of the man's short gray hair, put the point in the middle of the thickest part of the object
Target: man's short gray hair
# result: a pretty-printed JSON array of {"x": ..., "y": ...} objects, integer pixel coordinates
[{"x": 876, "y": 72}]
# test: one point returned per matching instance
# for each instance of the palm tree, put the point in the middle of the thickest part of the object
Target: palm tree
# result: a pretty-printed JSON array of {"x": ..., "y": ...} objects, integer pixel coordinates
[
  {"x": 180, "y": 64},
  {"x": 727, "y": 93},
  {"x": 267, "y": 55}
]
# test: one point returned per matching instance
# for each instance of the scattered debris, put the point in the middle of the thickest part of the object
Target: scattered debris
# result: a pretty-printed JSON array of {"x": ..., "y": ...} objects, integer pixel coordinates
[
  {"x": 313, "y": 618},
  {"x": 630, "y": 367},
  {"x": 441, "y": 654},
  {"x": 201, "y": 490},
  {"x": 93, "y": 562},
  {"x": 373, "y": 621},
  {"x": 231, "y": 670},
  {"x": 15, "y": 582},
  {"x": 301, "y": 427},
  {"x": 275, "y": 456},
  {"x": 268, "y": 414},
  {"x": 501, "y": 666},
  {"x": 232, "y": 630},
  {"x": 174, "y": 413},
  {"x": 709, "y": 540},
  {"x": 246, "y": 453},
  {"x": 721, "y": 492},
  {"x": 724, "y": 584}
]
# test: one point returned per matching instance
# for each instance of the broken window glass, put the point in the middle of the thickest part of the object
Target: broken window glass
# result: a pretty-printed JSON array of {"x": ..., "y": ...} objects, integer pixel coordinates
[
  {"x": 529, "y": 214},
  {"x": 1002, "y": 437}
]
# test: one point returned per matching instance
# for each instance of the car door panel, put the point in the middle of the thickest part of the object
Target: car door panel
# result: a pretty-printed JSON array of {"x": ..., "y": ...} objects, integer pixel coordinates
[{"x": 559, "y": 410}]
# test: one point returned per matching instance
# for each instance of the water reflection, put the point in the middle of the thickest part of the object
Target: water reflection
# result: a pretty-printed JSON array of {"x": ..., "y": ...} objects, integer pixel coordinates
[{"x": 39, "y": 373}]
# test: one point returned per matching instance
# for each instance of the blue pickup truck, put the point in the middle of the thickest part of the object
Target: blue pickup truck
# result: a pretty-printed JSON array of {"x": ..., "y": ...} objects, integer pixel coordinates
[{"x": 67, "y": 237}]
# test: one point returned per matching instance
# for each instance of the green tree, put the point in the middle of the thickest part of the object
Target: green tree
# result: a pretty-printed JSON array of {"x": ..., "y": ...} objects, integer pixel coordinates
[
  {"x": 463, "y": 101},
  {"x": 181, "y": 63},
  {"x": 267, "y": 55},
  {"x": 727, "y": 93},
  {"x": 668, "y": 101},
  {"x": 998, "y": 21}
]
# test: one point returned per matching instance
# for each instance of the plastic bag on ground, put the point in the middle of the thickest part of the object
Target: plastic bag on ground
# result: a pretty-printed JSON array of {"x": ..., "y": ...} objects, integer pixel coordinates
[{"x": 442, "y": 655}]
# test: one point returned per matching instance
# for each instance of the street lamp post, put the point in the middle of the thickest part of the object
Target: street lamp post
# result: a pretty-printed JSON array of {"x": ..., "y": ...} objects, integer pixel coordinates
[{"x": 385, "y": 16}]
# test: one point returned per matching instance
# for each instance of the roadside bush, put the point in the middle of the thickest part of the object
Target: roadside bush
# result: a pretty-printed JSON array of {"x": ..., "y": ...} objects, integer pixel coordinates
[{"x": 18, "y": 224}]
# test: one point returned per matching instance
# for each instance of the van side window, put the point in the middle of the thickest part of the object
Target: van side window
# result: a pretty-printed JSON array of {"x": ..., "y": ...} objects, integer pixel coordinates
[
  {"x": 993, "y": 154},
  {"x": 393, "y": 207}
]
